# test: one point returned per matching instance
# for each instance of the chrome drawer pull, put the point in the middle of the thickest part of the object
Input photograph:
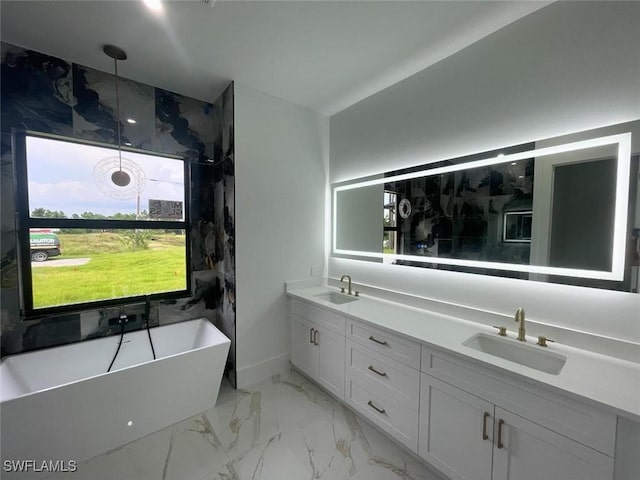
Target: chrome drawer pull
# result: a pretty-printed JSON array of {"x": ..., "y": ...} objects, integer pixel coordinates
[
  {"x": 382, "y": 374},
  {"x": 311, "y": 335},
  {"x": 379, "y": 410},
  {"x": 315, "y": 337},
  {"x": 380, "y": 342}
]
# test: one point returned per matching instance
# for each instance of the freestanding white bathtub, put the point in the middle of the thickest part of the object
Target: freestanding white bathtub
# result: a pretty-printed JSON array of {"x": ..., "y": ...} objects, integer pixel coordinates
[{"x": 60, "y": 405}]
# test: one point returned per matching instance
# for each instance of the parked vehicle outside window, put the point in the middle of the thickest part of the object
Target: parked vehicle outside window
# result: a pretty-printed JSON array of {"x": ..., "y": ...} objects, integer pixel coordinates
[{"x": 43, "y": 246}]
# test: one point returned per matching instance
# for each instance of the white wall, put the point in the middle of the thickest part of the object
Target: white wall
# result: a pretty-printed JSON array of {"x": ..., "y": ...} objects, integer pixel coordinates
[
  {"x": 568, "y": 67},
  {"x": 281, "y": 173}
]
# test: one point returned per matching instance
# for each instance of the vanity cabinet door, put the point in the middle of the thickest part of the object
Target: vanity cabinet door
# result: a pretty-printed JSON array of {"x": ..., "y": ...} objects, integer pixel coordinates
[
  {"x": 331, "y": 348},
  {"x": 456, "y": 431},
  {"x": 318, "y": 352},
  {"x": 528, "y": 451},
  {"x": 304, "y": 353}
]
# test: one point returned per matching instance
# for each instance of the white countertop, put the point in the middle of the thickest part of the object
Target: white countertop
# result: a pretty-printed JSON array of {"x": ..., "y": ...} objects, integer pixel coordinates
[{"x": 607, "y": 381}]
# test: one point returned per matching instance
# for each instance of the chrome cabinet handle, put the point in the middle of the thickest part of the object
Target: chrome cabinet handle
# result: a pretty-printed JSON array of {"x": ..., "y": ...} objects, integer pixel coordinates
[
  {"x": 379, "y": 410},
  {"x": 379, "y": 342},
  {"x": 484, "y": 425},
  {"x": 500, "y": 444},
  {"x": 382, "y": 374},
  {"x": 315, "y": 337},
  {"x": 311, "y": 330}
]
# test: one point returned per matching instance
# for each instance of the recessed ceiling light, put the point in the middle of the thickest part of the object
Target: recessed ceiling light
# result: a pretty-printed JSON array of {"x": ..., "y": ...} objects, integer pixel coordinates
[
  {"x": 131, "y": 120},
  {"x": 154, "y": 5}
]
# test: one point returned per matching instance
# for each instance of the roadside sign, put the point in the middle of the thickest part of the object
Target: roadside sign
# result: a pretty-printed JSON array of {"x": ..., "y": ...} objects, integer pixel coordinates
[{"x": 167, "y": 209}]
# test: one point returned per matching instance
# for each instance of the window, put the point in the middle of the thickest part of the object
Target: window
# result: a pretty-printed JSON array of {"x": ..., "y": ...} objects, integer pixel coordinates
[
  {"x": 390, "y": 227},
  {"x": 87, "y": 241},
  {"x": 517, "y": 226}
]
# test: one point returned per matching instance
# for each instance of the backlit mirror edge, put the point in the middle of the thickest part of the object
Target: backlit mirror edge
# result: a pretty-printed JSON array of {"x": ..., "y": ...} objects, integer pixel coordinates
[{"x": 623, "y": 169}]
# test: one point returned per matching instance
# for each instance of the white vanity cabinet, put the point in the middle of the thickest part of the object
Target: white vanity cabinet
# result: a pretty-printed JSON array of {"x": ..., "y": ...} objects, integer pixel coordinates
[
  {"x": 318, "y": 345},
  {"x": 476, "y": 434},
  {"x": 464, "y": 417},
  {"x": 383, "y": 380}
]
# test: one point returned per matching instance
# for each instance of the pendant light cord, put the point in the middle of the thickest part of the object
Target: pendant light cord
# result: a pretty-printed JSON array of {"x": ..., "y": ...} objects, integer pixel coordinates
[
  {"x": 115, "y": 62},
  {"x": 119, "y": 177}
]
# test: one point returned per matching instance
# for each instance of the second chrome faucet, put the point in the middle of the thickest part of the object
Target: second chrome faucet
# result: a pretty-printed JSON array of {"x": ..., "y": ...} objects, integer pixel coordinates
[
  {"x": 542, "y": 340},
  {"x": 342, "y": 280},
  {"x": 521, "y": 324},
  {"x": 350, "y": 292}
]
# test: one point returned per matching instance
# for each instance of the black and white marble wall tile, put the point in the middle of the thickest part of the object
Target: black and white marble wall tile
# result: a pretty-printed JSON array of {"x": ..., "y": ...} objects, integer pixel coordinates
[
  {"x": 8, "y": 239},
  {"x": 199, "y": 117},
  {"x": 229, "y": 216},
  {"x": 229, "y": 323},
  {"x": 12, "y": 327},
  {"x": 94, "y": 112},
  {"x": 218, "y": 217},
  {"x": 206, "y": 295},
  {"x": 202, "y": 218},
  {"x": 183, "y": 126},
  {"x": 36, "y": 91},
  {"x": 59, "y": 330},
  {"x": 228, "y": 146}
]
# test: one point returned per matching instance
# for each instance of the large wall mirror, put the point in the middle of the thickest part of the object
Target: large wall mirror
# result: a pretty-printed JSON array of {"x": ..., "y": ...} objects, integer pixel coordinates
[{"x": 564, "y": 210}]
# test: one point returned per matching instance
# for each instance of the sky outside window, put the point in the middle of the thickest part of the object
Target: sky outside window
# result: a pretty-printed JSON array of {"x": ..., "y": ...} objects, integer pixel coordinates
[{"x": 61, "y": 178}]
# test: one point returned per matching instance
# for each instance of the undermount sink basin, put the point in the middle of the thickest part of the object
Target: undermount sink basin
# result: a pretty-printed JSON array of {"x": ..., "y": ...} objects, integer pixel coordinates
[
  {"x": 531, "y": 356},
  {"x": 336, "y": 298}
]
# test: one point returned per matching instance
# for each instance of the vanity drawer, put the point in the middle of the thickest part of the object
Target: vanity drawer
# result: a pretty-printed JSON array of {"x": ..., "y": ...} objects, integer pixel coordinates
[
  {"x": 381, "y": 341},
  {"x": 394, "y": 418},
  {"x": 386, "y": 376},
  {"x": 565, "y": 415},
  {"x": 319, "y": 315}
]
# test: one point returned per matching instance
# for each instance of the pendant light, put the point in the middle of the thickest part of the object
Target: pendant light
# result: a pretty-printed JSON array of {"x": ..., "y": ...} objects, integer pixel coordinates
[{"x": 119, "y": 177}]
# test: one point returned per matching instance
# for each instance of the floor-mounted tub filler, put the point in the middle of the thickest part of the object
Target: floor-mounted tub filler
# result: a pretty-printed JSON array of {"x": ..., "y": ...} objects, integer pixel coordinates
[{"x": 59, "y": 406}]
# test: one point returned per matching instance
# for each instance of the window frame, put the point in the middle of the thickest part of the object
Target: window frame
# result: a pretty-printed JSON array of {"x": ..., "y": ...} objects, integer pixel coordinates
[
  {"x": 396, "y": 228},
  {"x": 24, "y": 222}
]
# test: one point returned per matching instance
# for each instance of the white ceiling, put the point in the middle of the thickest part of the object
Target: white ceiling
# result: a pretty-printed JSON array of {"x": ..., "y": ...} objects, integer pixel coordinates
[{"x": 325, "y": 55}]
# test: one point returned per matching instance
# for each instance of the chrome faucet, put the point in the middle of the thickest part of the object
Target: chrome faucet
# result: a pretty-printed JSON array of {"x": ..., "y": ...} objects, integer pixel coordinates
[
  {"x": 342, "y": 279},
  {"x": 521, "y": 327}
]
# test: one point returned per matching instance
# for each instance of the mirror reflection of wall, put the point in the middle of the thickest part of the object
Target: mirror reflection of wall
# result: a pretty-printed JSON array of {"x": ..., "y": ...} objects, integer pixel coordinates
[
  {"x": 549, "y": 213},
  {"x": 574, "y": 209},
  {"x": 359, "y": 218},
  {"x": 582, "y": 215}
]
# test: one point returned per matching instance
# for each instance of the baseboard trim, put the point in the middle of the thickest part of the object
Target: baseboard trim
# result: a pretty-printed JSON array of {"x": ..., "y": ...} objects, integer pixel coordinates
[{"x": 262, "y": 370}]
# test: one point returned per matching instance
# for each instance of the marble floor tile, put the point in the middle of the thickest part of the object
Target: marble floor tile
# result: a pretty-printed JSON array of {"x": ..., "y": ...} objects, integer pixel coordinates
[{"x": 283, "y": 428}]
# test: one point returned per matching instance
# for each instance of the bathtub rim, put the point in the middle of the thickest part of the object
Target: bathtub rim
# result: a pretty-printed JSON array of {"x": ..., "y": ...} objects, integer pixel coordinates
[{"x": 63, "y": 384}]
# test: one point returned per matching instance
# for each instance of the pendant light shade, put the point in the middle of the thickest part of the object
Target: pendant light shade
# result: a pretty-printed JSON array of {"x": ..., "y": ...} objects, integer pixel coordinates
[{"x": 121, "y": 178}]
